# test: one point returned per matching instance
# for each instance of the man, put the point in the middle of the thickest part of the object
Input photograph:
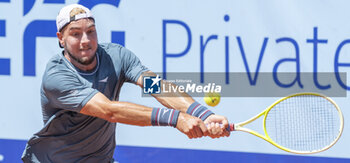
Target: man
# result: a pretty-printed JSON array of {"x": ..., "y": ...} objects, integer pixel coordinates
[{"x": 79, "y": 96}]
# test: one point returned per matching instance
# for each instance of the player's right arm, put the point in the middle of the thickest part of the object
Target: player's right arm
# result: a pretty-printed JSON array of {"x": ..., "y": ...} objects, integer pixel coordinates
[
  {"x": 63, "y": 89},
  {"x": 129, "y": 113}
]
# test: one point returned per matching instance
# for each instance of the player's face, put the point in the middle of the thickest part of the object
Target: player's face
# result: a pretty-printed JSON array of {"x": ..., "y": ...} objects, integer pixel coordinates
[{"x": 79, "y": 39}]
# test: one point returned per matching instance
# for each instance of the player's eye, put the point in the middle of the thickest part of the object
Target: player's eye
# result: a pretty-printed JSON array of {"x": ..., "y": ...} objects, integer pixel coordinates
[
  {"x": 91, "y": 31},
  {"x": 75, "y": 34}
]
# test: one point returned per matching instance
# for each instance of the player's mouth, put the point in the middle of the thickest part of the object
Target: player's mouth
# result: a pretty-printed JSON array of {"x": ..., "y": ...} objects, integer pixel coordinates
[{"x": 85, "y": 49}]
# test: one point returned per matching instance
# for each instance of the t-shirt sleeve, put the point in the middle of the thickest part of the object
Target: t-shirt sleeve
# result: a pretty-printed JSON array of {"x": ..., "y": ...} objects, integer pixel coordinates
[
  {"x": 67, "y": 91},
  {"x": 132, "y": 66}
]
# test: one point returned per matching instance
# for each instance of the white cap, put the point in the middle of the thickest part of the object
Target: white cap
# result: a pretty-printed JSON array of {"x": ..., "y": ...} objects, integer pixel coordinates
[{"x": 64, "y": 16}]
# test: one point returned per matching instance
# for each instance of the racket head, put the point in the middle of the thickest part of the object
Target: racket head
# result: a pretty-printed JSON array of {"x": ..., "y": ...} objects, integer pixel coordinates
[{"x": 303, "y": 123}]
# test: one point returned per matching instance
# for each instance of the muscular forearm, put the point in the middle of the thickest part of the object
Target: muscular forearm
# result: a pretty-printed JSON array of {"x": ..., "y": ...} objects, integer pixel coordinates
[
  {"x": 114, "y": 111},
  {"x": 175, "y": 100},
  {"x": 181, "y": 101},
  {"x": 130, "y": 113}
]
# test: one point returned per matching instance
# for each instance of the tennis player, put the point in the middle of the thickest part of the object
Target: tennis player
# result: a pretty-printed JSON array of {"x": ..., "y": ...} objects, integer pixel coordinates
[{"x": 79, "y": 96}]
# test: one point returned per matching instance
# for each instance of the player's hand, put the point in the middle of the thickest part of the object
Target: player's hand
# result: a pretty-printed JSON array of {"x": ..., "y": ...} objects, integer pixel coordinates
[
  {"x": 217, "y": 125},
  {"x": 193, "y": 127}
]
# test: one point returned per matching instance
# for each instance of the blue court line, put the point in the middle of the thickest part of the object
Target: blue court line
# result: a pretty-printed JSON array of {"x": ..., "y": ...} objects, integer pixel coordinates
[
  {"x": 167, "y": 155},
  {"x": 11, "y": 151}
]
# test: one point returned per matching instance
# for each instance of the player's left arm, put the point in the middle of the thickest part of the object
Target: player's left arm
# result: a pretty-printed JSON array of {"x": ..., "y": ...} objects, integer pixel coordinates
[{"x": 183, "y": 102}]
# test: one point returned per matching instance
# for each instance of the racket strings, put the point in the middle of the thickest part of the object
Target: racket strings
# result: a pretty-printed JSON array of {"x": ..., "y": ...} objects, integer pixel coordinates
[{"x": 303, "y": 123}]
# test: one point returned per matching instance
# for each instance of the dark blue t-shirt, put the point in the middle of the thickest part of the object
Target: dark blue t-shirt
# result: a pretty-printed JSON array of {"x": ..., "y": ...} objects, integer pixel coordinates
[{"x": 69, "y": 136}]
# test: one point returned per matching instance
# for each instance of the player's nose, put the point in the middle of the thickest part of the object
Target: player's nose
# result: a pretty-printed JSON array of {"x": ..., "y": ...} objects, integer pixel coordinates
[{"x": 85, "y": 39}]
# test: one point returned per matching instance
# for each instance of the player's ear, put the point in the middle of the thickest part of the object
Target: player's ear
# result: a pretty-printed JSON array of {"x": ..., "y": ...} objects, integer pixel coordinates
[{"x": 60, "y": 40}]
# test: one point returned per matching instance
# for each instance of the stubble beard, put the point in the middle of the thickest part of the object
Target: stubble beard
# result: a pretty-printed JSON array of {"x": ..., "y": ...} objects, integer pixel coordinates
[{"x": 84, "y": 60}]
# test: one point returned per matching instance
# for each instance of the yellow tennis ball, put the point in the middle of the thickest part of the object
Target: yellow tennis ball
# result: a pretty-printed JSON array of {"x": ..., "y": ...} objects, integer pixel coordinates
[{"x": 212, "y": 99}]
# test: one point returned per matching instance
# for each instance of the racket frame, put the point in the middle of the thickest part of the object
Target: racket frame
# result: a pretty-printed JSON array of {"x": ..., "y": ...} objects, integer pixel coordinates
[{"x": 239, "y": 126}]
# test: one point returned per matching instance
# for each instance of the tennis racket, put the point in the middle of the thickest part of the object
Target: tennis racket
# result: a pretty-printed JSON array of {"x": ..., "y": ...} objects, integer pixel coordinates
[{"x": 302, "y": 123}]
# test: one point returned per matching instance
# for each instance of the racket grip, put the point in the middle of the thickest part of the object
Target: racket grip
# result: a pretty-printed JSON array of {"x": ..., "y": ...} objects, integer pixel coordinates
[{"x": 230, "y": 127}]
